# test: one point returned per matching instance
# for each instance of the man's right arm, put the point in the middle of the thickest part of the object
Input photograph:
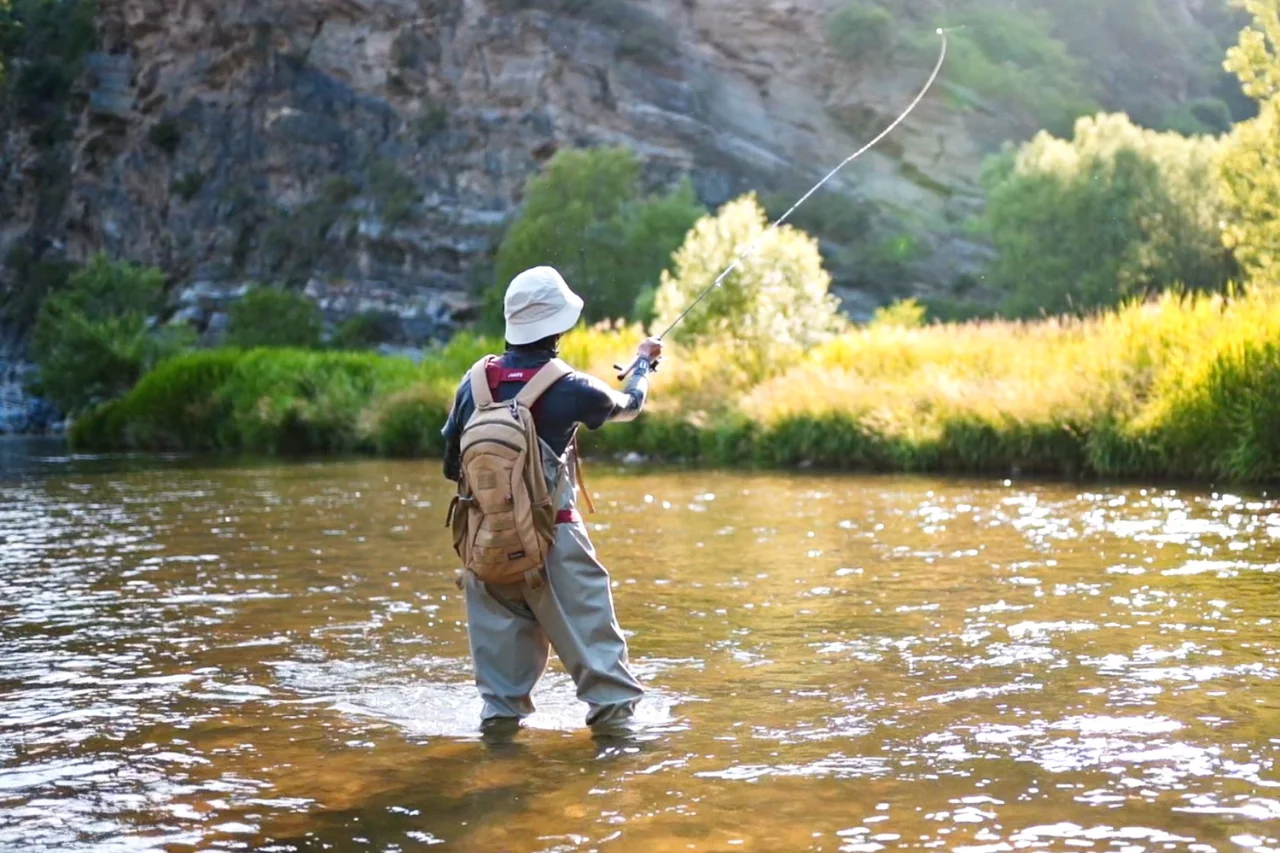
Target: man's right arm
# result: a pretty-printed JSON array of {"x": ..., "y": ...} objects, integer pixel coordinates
[{"x": 608, "y": 406}]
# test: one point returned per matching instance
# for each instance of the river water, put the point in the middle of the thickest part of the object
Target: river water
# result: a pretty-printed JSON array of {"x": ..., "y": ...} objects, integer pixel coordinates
[{"x": 218, "y": 656}]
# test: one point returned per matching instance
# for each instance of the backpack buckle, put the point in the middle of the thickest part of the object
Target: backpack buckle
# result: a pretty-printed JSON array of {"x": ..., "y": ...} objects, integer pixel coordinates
[{"x": 458, "y": 502}]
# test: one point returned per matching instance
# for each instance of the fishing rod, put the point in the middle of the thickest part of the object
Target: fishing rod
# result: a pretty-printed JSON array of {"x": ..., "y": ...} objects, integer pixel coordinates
[{"x": 937, "y": 69}]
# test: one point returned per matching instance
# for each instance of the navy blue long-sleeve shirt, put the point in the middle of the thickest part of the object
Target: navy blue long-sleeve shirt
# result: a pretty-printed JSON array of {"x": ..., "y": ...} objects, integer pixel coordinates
[{"x": 577, "y": 399}]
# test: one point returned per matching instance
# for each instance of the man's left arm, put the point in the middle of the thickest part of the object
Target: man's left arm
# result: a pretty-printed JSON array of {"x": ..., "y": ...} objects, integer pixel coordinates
[{"x": 452, "y": 434}]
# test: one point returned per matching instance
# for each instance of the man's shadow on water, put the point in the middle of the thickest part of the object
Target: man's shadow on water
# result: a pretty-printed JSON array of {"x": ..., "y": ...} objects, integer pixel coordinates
[{"x": 427, "y": 796}]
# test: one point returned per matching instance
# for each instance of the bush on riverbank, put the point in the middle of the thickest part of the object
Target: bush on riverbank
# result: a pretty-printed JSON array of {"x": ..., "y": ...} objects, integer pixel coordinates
[
  {"x": 1177, "y": 387},
  {"x": 92, "y": 338},
  {"x": 1114, "y": 213}
]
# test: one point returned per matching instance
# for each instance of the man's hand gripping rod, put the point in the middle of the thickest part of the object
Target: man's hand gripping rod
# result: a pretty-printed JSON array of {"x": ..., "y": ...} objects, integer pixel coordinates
[{"x": 937, "y": 69}]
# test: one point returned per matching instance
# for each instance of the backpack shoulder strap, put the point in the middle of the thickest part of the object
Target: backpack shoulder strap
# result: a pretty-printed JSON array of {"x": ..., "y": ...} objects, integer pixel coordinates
[
  {"x": 480, "y": 394},
  {"x": 551, "y": 373}
]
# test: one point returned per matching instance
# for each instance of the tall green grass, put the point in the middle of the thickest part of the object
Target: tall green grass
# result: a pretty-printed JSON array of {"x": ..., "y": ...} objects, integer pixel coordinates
[{"x": 1176, "y": 387}]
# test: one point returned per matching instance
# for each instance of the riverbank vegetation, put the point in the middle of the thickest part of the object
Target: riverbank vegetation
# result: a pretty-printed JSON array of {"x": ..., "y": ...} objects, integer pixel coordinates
[
  {"x": 1149, "y": 258},
  {"x": 1145, "y": 213},
  {"x": 1178, "y": 387}
]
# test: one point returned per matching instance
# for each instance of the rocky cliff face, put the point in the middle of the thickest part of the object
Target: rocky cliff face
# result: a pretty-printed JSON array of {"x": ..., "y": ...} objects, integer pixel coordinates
[{"x": 371, "y": 150}]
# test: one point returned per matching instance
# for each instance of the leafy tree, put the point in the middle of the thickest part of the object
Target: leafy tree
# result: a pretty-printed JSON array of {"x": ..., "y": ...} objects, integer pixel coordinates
[
  {"x": 586, "y": 215},
  {"x": 861, "y": 31},
  {"x": 1116, "y": 212},
  {"x": 274, "y": 317},
  {"x": 1250, "y": 165},
  {"x": 777, "y": 299},
  {"x": 1255, "y": 59},
  {"x": 365, "y": 331},
  {"x": 94, "y": 339},
  {"x": 34, "y": 277},
  {"x": 1012, "y": 57},
  {"x": 51, "y": 37}
]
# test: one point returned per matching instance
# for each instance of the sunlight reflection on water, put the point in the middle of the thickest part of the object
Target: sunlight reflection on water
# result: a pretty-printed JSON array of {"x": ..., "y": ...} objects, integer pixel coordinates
[{"x": 271, "y": 657}]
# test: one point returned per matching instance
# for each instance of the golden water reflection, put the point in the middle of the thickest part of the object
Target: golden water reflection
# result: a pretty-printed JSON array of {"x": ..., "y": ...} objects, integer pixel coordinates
[{"x": 271, "y": 657}]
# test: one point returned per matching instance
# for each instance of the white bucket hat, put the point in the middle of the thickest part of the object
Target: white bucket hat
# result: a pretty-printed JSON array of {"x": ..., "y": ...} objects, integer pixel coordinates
[{"x": 538, "y": 305}]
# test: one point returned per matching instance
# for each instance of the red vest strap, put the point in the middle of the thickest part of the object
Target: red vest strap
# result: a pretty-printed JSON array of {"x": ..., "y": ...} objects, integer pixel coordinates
[{"x": 496, "y": 374}]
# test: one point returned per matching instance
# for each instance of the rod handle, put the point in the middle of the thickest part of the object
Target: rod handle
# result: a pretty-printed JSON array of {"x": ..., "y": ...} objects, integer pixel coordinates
[{"x": 624, "y": 372}]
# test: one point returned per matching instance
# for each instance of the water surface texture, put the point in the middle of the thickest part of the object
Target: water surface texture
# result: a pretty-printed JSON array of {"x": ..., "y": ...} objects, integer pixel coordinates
[{"x": 271, "y": 657}]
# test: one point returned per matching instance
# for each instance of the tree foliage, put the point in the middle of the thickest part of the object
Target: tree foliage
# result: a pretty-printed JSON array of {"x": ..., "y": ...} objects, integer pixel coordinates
[
  {"x": 860, "y": 31},
  {"x": 94, "y": 339},
  {"x": 1250, "y": 165},
  {"x": 587, "y": 216},
  {"x": 1116, "y": 212},
  {"x": 43, "y": 44},
  {"x": 1013, "y": 58},
  {"x": 1047, "y": 62},
  {"x": 274, "y": 317},
  {"x": 776, "y": 300}
]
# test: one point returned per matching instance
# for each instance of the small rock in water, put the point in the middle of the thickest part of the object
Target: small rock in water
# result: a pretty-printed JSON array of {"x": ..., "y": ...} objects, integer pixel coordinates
[{"x": 634, "y": 458}]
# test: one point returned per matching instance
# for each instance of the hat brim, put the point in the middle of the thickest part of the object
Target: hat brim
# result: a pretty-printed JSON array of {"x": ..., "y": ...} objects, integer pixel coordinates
[{"x": 556, "y": 324}]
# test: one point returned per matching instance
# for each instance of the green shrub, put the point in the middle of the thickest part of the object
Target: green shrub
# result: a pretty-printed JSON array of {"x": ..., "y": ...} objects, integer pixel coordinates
[
  {"x": 1116, "y": 213},
  {"x": 274, "y": 317},
  {"x": 774, "y": 303},
  {"x": 174, "y": 407},
  {"x": 1013, "y": 58},
  {"x": 189, "y": 185},
  {"x": 860, "y": 31},
  {"x": 35, "y": 278},
  {"x": 90, "y": 361},
  {"x": 407, "y": 423},
  {"x": 93, "y": 340},
  {"x": 449, "y": 362},
  {"x": 165, "y": 135},
  {"x": 585, "y": 215},
  {"x": 881, "y": 265},
  {"x": 295, "y": 401},
  {"x": 904, "y": 314},
  {"x": 393, "y": 192},
  {"x": 364, "y": 331},
  {"x": 100, "y": 429},
  {"x": 827, "y": 215},
  {"x": 51, "y": 39},
  {"x": 432, "y": 120},
  {"x": 1200, "y": 116}
]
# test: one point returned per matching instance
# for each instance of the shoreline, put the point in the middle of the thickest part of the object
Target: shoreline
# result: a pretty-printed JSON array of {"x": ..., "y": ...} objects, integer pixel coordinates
[
  {"x": 1172, "y": 390},
  {"x": 617, "y": 465}
]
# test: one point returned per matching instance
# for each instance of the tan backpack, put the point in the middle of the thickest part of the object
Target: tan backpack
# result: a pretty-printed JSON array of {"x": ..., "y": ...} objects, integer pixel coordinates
[{"x": 503, "y": 517}]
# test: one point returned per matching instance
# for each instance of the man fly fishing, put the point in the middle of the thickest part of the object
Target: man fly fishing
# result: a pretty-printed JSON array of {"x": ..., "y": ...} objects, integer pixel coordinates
[{"x": 531, "y": 576}]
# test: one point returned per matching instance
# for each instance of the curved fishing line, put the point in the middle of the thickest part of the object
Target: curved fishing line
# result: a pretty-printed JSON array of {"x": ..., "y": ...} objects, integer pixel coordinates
[{"x": 937, "y": 69}]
